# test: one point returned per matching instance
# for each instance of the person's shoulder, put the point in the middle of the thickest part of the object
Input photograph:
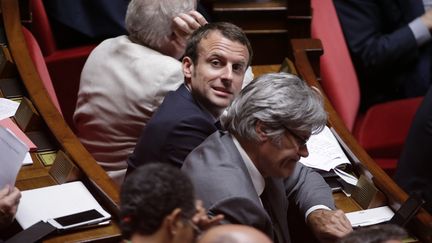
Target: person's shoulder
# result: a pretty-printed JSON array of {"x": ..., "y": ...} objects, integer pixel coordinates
[
  {"x": 191, "y": 127},
  {"x": 218, "y": 139},
  {"x": 181, "y": 102},
  {"x": 173, "y": 110},
  {"x": 107, "y": 43},
  {"x": 123, "y": 44},
  {"x": 213, "y": 152},
  {"x": 179, "y": 114},
  {"x": 102, "y": 53}
]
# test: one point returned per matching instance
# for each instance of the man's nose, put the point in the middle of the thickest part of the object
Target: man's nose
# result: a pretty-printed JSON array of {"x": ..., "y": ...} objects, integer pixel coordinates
[{"x": 227, "y": 74}]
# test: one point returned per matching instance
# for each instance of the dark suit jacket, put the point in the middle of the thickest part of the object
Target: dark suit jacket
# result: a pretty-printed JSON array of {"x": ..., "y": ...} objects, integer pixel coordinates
[
  {"x": 414, "y": 168},
  {"x": 222, "y": 181},
  {"x": 388, "y": 61},
  {"x": 177, "y": 127}
]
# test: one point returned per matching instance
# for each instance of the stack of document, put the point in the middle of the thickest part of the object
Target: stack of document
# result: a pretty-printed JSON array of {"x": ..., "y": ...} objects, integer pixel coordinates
[
  {"x": 326, "y": 154},
  {"x": 54, "y": 202},
  {"x": 8, "y": 108},
  {"x": 370, "y": 216}
]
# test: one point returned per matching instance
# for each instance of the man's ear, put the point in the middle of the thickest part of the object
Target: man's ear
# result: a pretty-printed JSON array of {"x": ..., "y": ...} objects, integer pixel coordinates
[
  {"x": 260, "y": 130},
  {"x": 173, "y": 221},
  {"x": 188, "y": 68}
]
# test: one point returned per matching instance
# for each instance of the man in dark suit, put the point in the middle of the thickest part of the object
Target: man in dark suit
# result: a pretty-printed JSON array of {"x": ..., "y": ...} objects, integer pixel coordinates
[
  {"x": 216, "y": 58},
  {"x": 250, "y": 174},
  {"x": 414, "y": 169},
  {"x": 390, "y": 45}
]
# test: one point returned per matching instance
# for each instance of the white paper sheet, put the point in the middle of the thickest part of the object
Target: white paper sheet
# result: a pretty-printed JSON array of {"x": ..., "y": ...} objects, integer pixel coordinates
[
  {"x": 8, "y": 108},
  {"x": 55, "y": 201},
  {"x": 370, "y": 216},
  {"x": 325, "y": 152},
  {"x": 27, "y": 159},
  {"x": 348, "y": 178},
  {"x": 12, "y": 153}
]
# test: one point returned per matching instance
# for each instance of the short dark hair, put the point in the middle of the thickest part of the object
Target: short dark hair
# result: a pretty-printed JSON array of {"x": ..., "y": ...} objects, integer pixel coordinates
[
  {"x": 151, "y": 193},
  {"x": 375, "y": 234},
  {"x": 228, "y": 30}
]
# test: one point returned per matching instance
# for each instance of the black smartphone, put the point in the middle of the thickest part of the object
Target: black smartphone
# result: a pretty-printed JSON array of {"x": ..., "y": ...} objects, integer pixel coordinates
[{"x": 408, "y": 209}]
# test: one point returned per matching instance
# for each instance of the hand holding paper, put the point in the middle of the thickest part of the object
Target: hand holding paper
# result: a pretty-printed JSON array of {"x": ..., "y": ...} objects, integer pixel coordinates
[
  {"x": 9, "y": 199},
  {"x": 326, "y": 154}
]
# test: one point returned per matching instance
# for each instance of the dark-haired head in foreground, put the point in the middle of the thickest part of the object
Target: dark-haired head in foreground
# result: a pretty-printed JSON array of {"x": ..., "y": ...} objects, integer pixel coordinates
[{"x": 157, "y": 201}]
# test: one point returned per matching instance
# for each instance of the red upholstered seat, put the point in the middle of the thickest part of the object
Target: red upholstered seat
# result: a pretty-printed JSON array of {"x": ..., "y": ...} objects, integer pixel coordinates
[
  {"x": 382, "y": 129},
  {"x": 39, "y": 62},
  {"x": 64, "y": 65}
]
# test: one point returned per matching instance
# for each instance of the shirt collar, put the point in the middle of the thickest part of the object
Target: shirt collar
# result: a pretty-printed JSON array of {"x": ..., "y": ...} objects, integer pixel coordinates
[{"x": 257, "y": 179}]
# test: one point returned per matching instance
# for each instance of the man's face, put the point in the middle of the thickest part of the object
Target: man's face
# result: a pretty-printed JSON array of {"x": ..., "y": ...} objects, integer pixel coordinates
[
  {"x": 279, "y": 159},
  {"x": 217, "y": 76}
]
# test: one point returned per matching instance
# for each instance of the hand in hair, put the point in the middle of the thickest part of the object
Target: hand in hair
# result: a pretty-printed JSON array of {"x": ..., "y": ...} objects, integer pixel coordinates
[{"x": 185, "y": 24}]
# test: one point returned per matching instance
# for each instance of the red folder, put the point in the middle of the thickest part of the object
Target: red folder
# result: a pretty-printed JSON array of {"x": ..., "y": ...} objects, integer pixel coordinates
[{"x": 8, "y": 123}]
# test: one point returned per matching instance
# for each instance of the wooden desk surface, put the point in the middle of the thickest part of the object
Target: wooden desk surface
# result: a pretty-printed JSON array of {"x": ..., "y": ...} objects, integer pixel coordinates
[{"x": 36, "y": 176}]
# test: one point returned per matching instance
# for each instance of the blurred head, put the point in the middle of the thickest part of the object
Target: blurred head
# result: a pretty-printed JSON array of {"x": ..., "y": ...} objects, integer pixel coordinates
[
  {"x": 216, "y": 58},
  {"x": 233, "y": 233},
  {"x": 276, "y": 112},
  {"x": 149, "y": 22},
  {"x": 384, "y": 233},
  {"x": 157, "y": 199}
]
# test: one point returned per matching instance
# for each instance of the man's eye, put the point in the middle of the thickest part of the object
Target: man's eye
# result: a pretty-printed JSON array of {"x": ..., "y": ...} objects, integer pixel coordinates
[
  {"x": 215, "y": 63},
  {"x": 238, "y": 67}
]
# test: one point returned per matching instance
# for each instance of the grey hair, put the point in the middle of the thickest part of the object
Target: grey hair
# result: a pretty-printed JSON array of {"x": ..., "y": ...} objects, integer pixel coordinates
[
  {"x": 280, "y": 101},
  {"x": 149, "y": 22}
]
